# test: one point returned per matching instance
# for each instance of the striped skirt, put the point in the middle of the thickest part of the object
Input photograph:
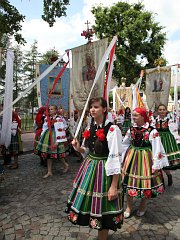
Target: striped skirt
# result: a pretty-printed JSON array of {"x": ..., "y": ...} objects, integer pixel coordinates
[
  {"x": 15, "y": 147},
  {"x": 44, "y": 147},
  {"x": 138, "y": 179},
  {"x": 172, "y": 150},
  {"x": 88, "y": 203}
]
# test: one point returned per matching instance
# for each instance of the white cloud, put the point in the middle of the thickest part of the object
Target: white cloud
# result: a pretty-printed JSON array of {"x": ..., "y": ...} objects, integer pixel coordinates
[{"x": 66, "y": 33}]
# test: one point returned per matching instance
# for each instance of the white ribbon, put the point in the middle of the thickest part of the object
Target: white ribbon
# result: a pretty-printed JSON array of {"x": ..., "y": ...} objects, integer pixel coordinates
[
  {"x": 100, "y": 68},
  {"x": 38, "y": 79}
]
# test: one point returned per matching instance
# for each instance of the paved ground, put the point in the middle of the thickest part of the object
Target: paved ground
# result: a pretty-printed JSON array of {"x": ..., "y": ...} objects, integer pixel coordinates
[{"x": 33, "y": 208}]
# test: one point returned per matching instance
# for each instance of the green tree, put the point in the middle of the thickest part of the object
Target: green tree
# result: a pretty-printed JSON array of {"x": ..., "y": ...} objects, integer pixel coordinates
[
  {"x": 31, "y": 58},
  {"x": 49, "y": 56},
  {"x": 53, "y": 9},
  {"x": 140, "y": 39},
  {"x": 18, "y": 72},
  {"x": 10, "y": 22}
]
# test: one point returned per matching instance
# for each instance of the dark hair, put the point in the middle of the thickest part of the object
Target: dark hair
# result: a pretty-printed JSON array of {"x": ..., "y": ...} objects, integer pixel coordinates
[
  {"x": 55, "y": 107},
  {"x": 101, "y": 100},
  {"x": 162, "y": 105}
]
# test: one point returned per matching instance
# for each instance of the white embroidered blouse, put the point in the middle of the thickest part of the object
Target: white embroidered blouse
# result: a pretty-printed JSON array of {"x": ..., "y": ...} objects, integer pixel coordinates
[{"x": 158, "y": 153}]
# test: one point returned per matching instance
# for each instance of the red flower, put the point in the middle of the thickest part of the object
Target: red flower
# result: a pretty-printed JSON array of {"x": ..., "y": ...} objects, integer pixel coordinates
[
  {"x": 86, "y": 134},
  {"x": 111, "y": 129},
  {"x": 147, "y": 193},
  {"x": 60, "y": 129},
  {"x": 132, "y": 192},
  {"x": 146, "y": 136},
  {"x": 58, "y": 137},
  {"x": 156, "y": 134},
  {"x": 100, "y": 134}
]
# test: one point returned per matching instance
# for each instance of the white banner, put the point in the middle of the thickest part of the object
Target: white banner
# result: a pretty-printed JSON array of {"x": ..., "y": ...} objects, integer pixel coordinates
[
  {"x": 85, "y": 62},
  {"x": 158, "y": 82},
  {"x": 8, "y": 97}
]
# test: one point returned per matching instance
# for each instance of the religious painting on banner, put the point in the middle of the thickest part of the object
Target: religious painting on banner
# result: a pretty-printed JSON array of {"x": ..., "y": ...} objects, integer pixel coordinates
[
  {"x": 85, "y": 63},
  {"x": 158, "y": 82},
  {"x": 123, "y": 97}
]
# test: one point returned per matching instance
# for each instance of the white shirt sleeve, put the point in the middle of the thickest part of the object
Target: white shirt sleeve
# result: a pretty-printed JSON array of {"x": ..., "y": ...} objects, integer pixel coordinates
[
  {"x": 114, "y": 139},
  {"x": 158, "y": 153},
  {"x": 126, "y": 143},
  {"x": 45, "y": 126},
  {"x": 174, "y": 130}
]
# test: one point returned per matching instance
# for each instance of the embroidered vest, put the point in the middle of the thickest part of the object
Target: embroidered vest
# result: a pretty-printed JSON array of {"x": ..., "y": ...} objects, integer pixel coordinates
[
  {"x": 140, "y": 136},
  {"x": 95, "y": 145}
]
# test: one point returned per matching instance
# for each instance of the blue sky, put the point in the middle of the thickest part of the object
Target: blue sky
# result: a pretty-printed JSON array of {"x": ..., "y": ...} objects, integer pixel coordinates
[{"x": 66, "y": 32}]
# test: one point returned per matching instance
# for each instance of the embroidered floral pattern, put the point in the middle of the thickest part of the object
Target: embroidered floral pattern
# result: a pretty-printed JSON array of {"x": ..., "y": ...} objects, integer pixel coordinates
[
  {"x": 160, "y": 155},
  {"x": 100, "y": 134},
  {"x": 117, "y": 219},
  {"x": 146, "y": 136},
  {"x": 160, "y": 189},
  {"x": 111, "y": 129},
  {"x": 61, "y": 137},
  {"x": 147, "y": 193},
  {"x": 132, "y": 192},
  {"x": 73, "y": 217},
  {"x": 86, "y": 134},
  {"x": 95, "y": 223},
  {"x": 155, "y": 135}
]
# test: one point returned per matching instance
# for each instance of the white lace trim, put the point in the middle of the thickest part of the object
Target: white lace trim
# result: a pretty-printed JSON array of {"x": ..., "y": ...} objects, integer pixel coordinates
[{"x": 110, "y": 172}]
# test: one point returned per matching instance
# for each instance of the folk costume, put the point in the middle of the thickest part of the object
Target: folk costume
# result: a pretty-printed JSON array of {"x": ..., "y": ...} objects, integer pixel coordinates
[
  {"x": 15, "y": 147},
  {"x": 171, "y": 141},
  {"x": 58, "y": 132},
  {"x": 88, "y": 203},
  {"x": 142, "y": 152},
  {"x": 126, "y": 124},
  {"x": 38, "y": 124}
]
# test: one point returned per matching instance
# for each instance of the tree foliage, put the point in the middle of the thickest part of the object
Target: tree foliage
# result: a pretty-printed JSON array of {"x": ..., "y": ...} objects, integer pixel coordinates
[
  {"x": 140, "y": 38},
  {"x": 48, "y": 56},
  {"x": 10, "y": 22},
  {"x": 53, "y": 9}
]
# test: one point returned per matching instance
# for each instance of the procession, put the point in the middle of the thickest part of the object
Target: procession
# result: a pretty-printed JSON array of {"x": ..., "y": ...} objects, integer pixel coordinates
[{"x": 104, "y": 151}]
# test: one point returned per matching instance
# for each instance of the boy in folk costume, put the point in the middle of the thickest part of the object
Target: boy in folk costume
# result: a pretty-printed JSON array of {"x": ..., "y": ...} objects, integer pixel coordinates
[
  {"x": 53, "y": 136},
  {"x": 97, "y": 199},
  {"x": 144, "y": 157}
]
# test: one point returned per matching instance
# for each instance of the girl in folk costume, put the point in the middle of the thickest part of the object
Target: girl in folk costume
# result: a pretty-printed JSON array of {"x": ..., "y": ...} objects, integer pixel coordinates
[
  {"x": 127, "y": 120},
  {"x": 39, "y": 121},
  {"x": 170, "y": 139},
  {"x": 97, "y": 199},
  {"x": 143, "y": 161},
  {"x": 15, "y": 147},
  {"x": 120, "y": 118},
  {"x": 53, "y": 136}
]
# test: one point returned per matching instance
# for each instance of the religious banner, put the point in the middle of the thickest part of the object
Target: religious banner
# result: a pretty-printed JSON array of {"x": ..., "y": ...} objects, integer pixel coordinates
[
  {"x": 158, "y": 82},
  {"x": 85, "y": 63},
  {"x": 123, "y": 97}
]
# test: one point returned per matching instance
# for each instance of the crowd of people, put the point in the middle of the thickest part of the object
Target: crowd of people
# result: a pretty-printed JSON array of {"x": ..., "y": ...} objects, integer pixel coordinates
[{"x": 123, "y": 153}]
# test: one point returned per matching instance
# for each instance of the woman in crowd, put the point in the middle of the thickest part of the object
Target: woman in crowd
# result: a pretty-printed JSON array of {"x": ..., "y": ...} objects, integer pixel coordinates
[
  {"x": 170, "y": 139},
  {"x": 53, "y": 136},
  {"x": 127, "y": 120},
  {"x": 39, "y": 121},
  {"x": 15, "y": 148},
  {"x": 96, "y": 199},
  {"x": 144, "y": 157}
]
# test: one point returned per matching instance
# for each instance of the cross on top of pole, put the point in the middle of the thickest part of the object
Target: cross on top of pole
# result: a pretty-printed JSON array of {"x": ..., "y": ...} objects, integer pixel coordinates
[{"x": 88, "y": 33}]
